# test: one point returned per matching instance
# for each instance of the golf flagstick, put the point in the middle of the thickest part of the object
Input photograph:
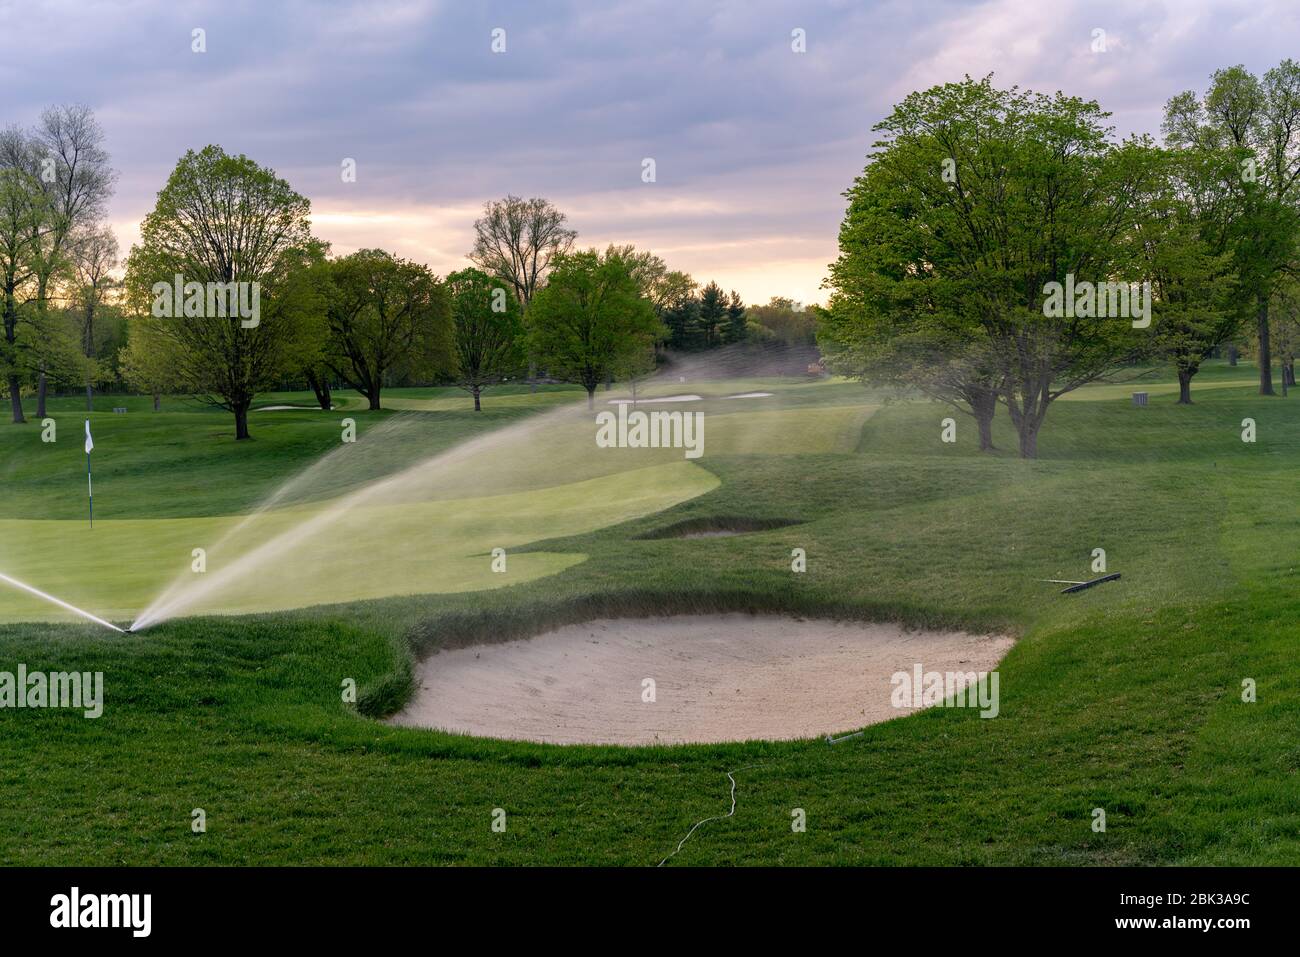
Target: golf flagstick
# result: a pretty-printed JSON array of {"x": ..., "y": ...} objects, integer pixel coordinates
[{"x": 90, "y": 488}]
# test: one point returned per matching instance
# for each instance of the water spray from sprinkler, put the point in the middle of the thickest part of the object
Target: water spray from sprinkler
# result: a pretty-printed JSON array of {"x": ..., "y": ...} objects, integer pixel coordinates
[{"x": 60, "y": 602}]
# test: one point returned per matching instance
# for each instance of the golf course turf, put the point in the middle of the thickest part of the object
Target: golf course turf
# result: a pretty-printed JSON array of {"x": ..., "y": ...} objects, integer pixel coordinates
[{"x": 1126, "y": 697}]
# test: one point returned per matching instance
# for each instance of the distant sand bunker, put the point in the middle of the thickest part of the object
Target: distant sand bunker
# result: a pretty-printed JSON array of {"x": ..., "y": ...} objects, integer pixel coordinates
[{"x": 717, "y": 678}]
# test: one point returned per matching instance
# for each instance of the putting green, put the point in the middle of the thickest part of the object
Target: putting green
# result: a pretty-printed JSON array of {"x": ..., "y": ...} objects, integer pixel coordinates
[{"x": 370, "y": 551}]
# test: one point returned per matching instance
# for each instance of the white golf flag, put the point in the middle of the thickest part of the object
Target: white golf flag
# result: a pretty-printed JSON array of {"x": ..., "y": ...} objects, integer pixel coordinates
[{"x": 90, "y": 444}]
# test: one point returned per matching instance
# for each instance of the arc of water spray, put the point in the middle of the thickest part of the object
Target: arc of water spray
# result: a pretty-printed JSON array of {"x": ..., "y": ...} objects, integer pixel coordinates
[
  {"x": 183, "y": 594},
  {"x": 60, "y": 602}
]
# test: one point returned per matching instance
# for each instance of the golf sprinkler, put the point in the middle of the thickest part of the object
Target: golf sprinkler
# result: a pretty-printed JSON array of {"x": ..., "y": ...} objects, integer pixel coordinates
[
  {"x": 1079, "y": 586},
  {"x": 844, "y": 737}
]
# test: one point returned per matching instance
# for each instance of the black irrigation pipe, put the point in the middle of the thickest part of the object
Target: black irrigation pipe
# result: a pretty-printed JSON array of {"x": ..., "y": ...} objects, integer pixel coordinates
[{"x": 1080, "y": 586}]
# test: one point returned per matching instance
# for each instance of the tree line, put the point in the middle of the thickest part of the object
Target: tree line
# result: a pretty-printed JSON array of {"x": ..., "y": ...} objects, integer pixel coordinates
[
  {"x": 981, "y": 209},
  {"x": 530, "y": 305}
]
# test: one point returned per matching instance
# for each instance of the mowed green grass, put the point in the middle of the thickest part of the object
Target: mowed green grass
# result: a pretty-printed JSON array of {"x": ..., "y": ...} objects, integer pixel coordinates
[
  {"x": 1126, "y": 697},
  {"x": 432, "y": 531}
]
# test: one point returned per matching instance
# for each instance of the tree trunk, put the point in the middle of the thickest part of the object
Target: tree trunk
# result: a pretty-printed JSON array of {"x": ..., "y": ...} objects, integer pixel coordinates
[
  {"x": 16, "y": 400},
  {"x": 985, "y": 423},
  {"x": 89, "y": 348},
  {"x": 321, "y": 387},
  {"x": 476, "y": 392},
  {"x": 374, "y": 399},
  {"x": 1265, "y": 353},
  {"x": 1029, "y": 441},
  {"x": 1028, "y": 416},
  {"x": 1232, "y": 355},
  {"x": 984, "y": 405},
  {"x": 41, "y": 389},
  {"x": 1185, "y": 386},
  {"x": 1288, "y": 371},
  {"x": 591, "y": 397},
  {"x": 241, "y": 422},
  {"x": 157, "y": 402}
]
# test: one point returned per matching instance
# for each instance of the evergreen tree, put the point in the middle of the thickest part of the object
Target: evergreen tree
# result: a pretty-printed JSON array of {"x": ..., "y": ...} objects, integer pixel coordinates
[
  {"x": 713, "y": 314},
  {"x": 683, "y": 321},
  {"x": 737, "y": 323}
]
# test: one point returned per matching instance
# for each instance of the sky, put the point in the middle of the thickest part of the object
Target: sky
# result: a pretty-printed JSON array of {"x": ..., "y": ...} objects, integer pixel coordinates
[{"x": 753, "y": 141}]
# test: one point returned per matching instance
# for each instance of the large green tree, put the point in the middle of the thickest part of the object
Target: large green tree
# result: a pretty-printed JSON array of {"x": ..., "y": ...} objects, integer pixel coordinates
[
  {"x": 1182, "y": 238},
  {"x": 974, "y": 201},
  {"x": 222, "y": 220},
  {"x": 1260, "y": 121},
  {"x": 488, "y": 335},
  {"x": 591, "y": 318},
  {"x": 384, "y": 314}
]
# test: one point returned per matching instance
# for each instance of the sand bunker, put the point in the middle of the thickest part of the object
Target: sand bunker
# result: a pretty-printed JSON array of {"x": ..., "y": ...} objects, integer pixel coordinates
[
  {"x": 652, "y": 401},
  {"x": 717, "y": 678}
]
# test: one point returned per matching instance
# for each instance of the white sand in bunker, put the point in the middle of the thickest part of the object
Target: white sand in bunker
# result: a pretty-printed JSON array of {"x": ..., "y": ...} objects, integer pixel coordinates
[{"x": 727, "y": 677}]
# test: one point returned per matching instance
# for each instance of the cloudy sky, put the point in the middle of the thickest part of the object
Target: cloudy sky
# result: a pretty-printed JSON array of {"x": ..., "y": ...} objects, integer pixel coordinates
[{"x": 753, "y": 142}]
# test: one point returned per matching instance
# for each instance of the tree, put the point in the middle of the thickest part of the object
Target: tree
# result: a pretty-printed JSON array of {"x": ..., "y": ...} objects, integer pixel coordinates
[
  {"x": 383, "y": 313},
  {"x": 784, "y": 320},
  {"x": 1261, "y": 122},
  {"x": 867, "y": 339},
  {"x": 1182, "y": 238},
  {"x": 590, "y": 318},
  {"x": 517, "y": 241},
  {"x": 713, "y": 314},
  {"x": 24, "y": 213},
  {"x": 638, "y": 362},
  {"x": 307, "y": 292},
  {"x": 737, "y": 328},
  {"x": 75, "y": 178},
  {"x": 94, "y": 254},
  {"x": 147, "y": 360},
  {"x": 488, "y": 333},
  {"x": 669, "y": 289},
  {"x": 233, "y": 229},
  {"x": 977, "y": 208},
  {"x": 681, "y": 319}
]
